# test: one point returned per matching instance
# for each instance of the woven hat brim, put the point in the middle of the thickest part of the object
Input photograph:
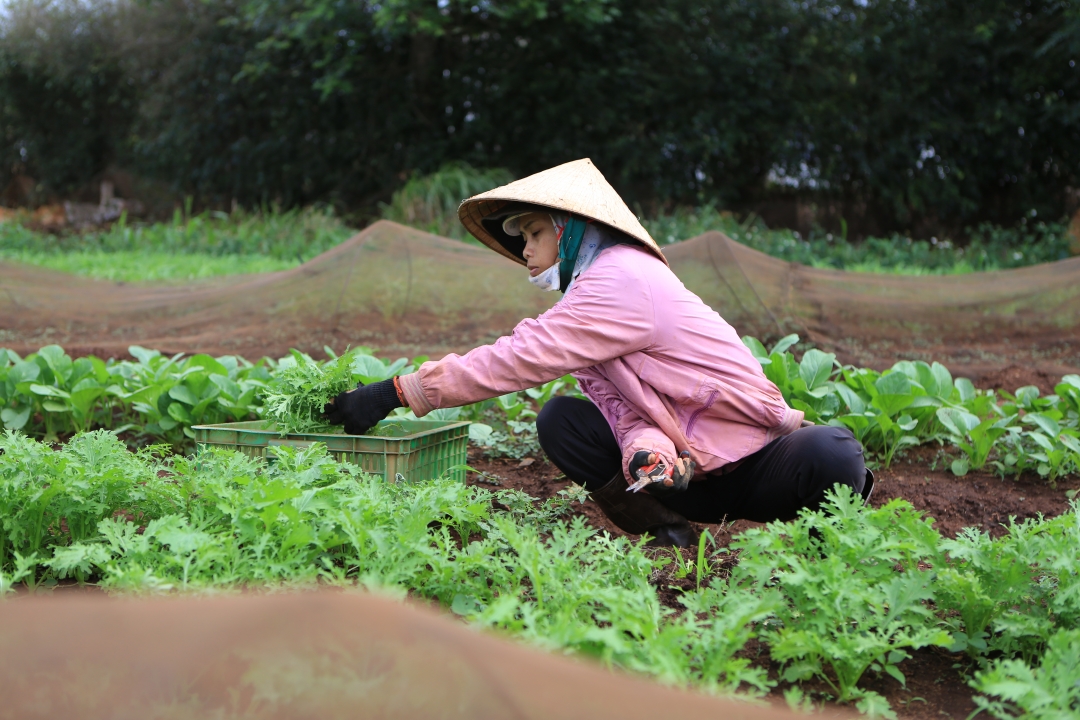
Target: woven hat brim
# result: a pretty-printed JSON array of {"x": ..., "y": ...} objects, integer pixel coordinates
[
  {"x": 535, "y": 190},
  {"x": 472, "y": 213}
]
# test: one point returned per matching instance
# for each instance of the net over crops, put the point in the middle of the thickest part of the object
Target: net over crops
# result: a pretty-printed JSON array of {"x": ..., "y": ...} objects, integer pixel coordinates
[
  {"x": 763, "y": 295},
  {"x": 404, "y": 291},
  {"x": 389, "y": 287}
]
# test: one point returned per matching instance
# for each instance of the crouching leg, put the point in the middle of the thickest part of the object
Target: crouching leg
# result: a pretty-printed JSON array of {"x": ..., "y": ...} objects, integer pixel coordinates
[{"x": 577, "y": 439}]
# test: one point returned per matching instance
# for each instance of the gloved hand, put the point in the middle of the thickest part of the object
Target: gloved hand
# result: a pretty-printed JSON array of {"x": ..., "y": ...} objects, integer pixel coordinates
[
  {"x": 360, "y": 409},
  {"x": 678, "y": 475}
]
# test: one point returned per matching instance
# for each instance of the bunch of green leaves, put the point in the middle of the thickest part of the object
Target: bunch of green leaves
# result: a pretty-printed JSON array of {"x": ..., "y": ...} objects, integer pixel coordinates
[
  {"x": 1025, "y": 432},
  {"x": 169, "y": 395},
  {"x": 1013, "y": 593},
  {"x": 51, "y": 395},
  {"x": 916, "y": 402},
  {"x": 1049, "y": 690},
  {"x": 68, "y": 395},
  {"x": 50, "y": 499},
  {"x": 981, "y": 583},
  {"x": 1047, "y": 437},
  {"x": 885, "y": 411},
  {"x": 518, "y": 441},
  {"x": 853, "y": 596},
  {"x": 301, "y": 388}
]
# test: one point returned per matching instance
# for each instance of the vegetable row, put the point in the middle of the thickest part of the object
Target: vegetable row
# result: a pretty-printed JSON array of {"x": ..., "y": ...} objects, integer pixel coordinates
[
  {"x": 835, "y": 598},
  {"x": 915, "y": 402},
  {"x": 155, "y": 398}
]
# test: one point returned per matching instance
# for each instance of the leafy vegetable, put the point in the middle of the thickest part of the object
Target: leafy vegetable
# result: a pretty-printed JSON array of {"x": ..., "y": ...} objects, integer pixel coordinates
[
  {"x": 845, "y": 606},
  {"x": 50, "y": 395},
  {"x": 301, "y": 387},
  {"x": 917, "y": 402},
  {"x": 1048, "y": 691},
  {"x": 835, "y": 594}
]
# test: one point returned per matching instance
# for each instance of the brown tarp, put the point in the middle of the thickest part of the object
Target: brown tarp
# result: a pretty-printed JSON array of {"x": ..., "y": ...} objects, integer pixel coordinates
[{"x": 303, "y": 655}]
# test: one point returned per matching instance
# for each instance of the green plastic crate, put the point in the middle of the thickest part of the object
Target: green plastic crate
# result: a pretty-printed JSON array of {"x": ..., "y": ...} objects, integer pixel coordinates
[{"x": 422, "y": 450}]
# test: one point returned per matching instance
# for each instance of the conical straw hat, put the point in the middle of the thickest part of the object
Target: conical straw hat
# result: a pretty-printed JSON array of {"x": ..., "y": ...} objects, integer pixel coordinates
[{"x": 575, "y": 187}]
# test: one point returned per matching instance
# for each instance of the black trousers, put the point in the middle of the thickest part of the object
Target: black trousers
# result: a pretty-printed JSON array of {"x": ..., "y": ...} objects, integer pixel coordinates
[{"x": 788, "y": 474}]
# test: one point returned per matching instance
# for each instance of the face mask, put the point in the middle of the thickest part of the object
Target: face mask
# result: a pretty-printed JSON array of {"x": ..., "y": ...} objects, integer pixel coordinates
[
  {"x": 550, "y": 278},
  {"x": 547, "y": 280}
]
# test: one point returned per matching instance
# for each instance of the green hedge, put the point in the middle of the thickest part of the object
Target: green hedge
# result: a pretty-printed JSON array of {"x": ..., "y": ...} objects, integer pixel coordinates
[{"x": 928, "y": 115}]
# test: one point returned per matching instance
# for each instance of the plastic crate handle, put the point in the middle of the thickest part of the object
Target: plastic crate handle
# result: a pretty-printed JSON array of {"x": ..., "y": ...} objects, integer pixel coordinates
[{"x": 303, "y": 444}]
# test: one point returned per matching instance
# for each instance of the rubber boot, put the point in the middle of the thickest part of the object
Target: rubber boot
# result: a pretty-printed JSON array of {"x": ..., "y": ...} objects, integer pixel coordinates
[
  {"x": 639, "y": 513},
  {"x": 868, "y": 487}
]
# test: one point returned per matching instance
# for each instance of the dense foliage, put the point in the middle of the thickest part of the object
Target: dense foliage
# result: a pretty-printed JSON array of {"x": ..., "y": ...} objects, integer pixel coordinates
[
  {"x": 987, "y": 247},
  {"x": 935, "y": 114},
  {"x": 836, "y": 594},
  {"x": 186, "y": 247}
]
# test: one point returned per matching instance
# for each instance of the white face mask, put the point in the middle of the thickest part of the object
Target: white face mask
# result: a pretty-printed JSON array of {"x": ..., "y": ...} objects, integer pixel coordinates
[
  {"x": 592, "y": 243},
  {"x": 548, "y": 279}
]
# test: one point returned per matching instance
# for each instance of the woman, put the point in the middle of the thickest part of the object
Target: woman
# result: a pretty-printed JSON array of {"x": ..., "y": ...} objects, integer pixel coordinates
[{"x": 679, "y": 410}]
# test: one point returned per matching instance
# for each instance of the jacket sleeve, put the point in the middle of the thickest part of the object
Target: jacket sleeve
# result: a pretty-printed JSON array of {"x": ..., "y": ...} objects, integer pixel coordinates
[
  {"x": 597, "y": 321},
  {"x": 632, "y": 432}
]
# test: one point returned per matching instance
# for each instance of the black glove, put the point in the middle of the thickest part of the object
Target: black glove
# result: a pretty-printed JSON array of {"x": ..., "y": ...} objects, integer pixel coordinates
[
  {"x": 360, "y": 409},
  {"x": 677, "y": 478}
]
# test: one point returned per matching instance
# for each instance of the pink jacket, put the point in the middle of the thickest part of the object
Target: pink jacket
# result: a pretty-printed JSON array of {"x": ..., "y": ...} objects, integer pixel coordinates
[{"x": 667, "y": 371}]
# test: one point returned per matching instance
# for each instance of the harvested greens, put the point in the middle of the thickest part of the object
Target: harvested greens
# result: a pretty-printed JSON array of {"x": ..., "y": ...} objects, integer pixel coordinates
[{"x": 300, "y": 389}]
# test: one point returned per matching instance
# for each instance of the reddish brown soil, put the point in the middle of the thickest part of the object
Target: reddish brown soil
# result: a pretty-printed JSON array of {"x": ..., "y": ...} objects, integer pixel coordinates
[
  {"x": 979, "y": 499},
  {"x": 935, "y": 688},
  {"x": 935, "y": 684}
]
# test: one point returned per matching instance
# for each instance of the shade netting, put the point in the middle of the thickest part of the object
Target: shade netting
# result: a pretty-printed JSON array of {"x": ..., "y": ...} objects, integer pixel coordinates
[
  {"x": 400, "y": 290},
  {"x": 766, "y": 296}
]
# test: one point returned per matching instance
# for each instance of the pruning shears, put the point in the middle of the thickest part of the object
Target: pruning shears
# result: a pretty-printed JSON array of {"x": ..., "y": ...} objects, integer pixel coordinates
[{"x": 658, "y": 472}]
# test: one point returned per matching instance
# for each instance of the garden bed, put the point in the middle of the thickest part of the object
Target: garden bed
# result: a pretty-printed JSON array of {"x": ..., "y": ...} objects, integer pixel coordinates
[
  {"x": 936, "y": 685},
  {"x": 176, "y": 524},
  {"x": 979, "y": 499}
]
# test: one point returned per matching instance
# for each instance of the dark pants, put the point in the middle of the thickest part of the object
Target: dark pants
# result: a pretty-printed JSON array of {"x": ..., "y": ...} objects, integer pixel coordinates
[{"x": 788, "y": 474}]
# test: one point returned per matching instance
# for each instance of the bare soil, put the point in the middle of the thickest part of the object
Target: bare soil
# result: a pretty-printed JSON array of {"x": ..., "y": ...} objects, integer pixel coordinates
[{"x": 936, "y": 686}]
